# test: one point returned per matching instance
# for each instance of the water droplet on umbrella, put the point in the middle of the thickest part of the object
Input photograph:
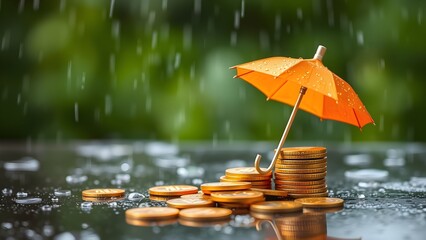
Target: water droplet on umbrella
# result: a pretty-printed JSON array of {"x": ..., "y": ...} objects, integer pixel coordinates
[{"x": 28, "y": 200}]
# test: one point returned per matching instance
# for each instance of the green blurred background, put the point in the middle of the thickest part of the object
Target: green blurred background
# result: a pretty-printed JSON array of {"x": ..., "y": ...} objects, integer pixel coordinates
[{"x": 159, "y": 69}]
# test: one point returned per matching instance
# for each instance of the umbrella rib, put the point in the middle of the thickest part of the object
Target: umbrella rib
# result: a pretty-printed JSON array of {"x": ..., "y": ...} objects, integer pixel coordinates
[
  {"x": 356, "y": 117},
  {"x": 285, "y": 81},
  {"x": 239, "y": 76}
]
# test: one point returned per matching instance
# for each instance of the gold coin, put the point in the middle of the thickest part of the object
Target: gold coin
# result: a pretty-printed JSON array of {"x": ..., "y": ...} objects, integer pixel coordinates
[
  {"x": 196, "y": 223},
  {"x": 301, "y": 170},
  {"x": 251, "y": 180},
  {"x": 311, "y": 195},
  {"x": 247, "y": 197},
  {"x": 297, "y": 151},
  {"x": 270, "y": 192},
  {"x": 233, "y": 205},
  {"x": 196, "y": 195},
  {"x": 303, "y": 191},
  {"x": 103, "y": 192},
  {"x": 102, "y": 200},
  {"x": 161, "y": 198},
  {"x": 300, "y": 166},
  {"x": 150, "y": 223},
  {"x": 205, "y": 213},
  {"x": 301, "y": 161},
  {"x": 173, "y": 190},
  {"x": 320, "y": 202},
  {"x": 276, "y": 206},
  {"x": 181, "y": 203},
  {"x": 322, "y": 210},
  {"x": 306, "y": 176},
  {"x": 246, "y": 172},
  {"x": 299, "y": 183},
  {"x": 152, "y": 213},
  {"x": 287, "y": 186},
  {"x": 224, "y": 186}
]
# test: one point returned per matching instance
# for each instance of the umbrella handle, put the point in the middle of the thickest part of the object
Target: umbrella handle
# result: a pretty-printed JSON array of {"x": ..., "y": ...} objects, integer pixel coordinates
[
  {"x": 273, "y": 225},
  {"x": 283, "y": 137}
]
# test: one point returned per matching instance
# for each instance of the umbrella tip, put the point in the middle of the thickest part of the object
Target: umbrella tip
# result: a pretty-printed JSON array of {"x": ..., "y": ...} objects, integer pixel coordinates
[{"x": 320, "y": 52}]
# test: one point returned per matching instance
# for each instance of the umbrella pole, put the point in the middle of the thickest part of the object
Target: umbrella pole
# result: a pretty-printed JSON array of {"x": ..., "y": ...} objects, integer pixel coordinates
[{"x": 283, "y": 137}]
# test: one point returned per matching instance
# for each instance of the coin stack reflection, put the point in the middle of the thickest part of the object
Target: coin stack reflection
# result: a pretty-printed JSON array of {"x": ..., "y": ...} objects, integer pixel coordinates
[
  {"x": 301, "y": 171},
  {"x": 303, "y": 226},
  {"x": 247, "y": 174}
]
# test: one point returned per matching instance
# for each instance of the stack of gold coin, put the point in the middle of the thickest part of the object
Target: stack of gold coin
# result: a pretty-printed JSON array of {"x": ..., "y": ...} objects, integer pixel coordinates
[
  {"x": 248, "y": 174},
  {"x": 301, "y": 171},
  {"x": 165, "y": 193}
]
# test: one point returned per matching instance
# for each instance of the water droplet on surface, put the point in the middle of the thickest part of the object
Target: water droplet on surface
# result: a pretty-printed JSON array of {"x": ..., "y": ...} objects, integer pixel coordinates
[
  {"x": 76, "y": 179},
  {"x": 86, "y": 205},
  {"x": 21, "y": 194},
  {"x": 7, "y": 191},
  {"x": 112, "y": 204},
  {"x": 6, "y": 225},
  {"x": 28, "y": 200},
  {"x": 24, "y": 164},
  {"x": 367, "y": 174},
  {"x": 62, "y": 193},
  {"x": 358, "y": 159},
  {"x": 46, "y": 208},
  {"x": 135, "y": 196}
]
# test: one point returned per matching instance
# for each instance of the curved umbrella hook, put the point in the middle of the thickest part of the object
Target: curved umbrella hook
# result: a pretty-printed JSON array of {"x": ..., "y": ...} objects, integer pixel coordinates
[
  {"x": 318, "y": 55},
  {"x": 273, "y": 225}
]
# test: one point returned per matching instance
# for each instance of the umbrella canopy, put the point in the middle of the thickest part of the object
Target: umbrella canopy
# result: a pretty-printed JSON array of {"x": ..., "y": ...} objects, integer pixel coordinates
[
  {"x": 327, "y": 96},
  {"x": 288, "y": 80}
]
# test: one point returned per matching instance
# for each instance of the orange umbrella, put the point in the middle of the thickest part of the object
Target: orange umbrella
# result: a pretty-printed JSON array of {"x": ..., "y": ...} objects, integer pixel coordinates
[{"x": 288, "y": 80}]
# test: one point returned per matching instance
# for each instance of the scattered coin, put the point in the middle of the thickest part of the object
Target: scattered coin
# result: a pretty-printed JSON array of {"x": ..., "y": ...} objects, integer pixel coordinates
[
  {"x": 152, "y": 213},
  {"x": 320, "y": 202},
  {"x": 196, "y": 195},
  {"x": 103, "y": 192},
  {"x": 246, "y": 197},
  {"x": 173, "y": 190},
  {"x": 224, "y": 186},
  {"x": 276, "y": 207},
  {"x": 205, "y": 214},
  {"x": 181, "y": 203},
  {"x": 270, "y": 192}
]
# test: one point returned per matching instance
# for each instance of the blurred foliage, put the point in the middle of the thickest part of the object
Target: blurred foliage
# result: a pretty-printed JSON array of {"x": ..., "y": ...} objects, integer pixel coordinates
[{"x": 159, "y": 69}]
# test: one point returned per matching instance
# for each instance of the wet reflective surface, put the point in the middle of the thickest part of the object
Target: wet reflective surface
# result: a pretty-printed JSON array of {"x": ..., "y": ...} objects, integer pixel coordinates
[{"x": 384, "y": 187}]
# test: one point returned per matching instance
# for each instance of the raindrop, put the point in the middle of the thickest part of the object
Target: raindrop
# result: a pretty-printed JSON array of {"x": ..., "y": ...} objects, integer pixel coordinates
[
  {"x": 111, "y": 8},
  {"x": 62, "y": 5},
  {"x": 237, "y": 19},
  {"x": 299, "y": 13},
  {"x": 164, "y": 5},
  {"x": 24, "y": 164},
  {"x": 76, "y": 112},
  {"x": 197, "y": 7},
  {"x": 367, "y": 174},
  {"x": 62, "y": 193},
  {"x": 83, "y": 80},
  {"x": 108, "y": 105},
  {"x": 360, "y": 38},
  {"x": 123, "y": 177},
  {"x": 28, "y": 200},
  {"x": 65, "y": 236},
  {"x": 361, "y": 196},
  {"x": 154, "y": 40},
  {"x": 112, "y": 63},
  {"x": 5, "y": 41},
  {"x": 115, "y": 29},
  {"x": 420, "y": 16},
  {"x": 242, "y": 8},
  {"x": 177, "y": 60},
  {"x": 36, "y": 4},
  {"x": 187, "y": 37},
  {"x": 21, "y": 6},
  {"x": 125, "y": 167},
  {"x": 135, "y": 196},
  {"x": 21, "y": 194},
  {"x": 84, "y": 226}
]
